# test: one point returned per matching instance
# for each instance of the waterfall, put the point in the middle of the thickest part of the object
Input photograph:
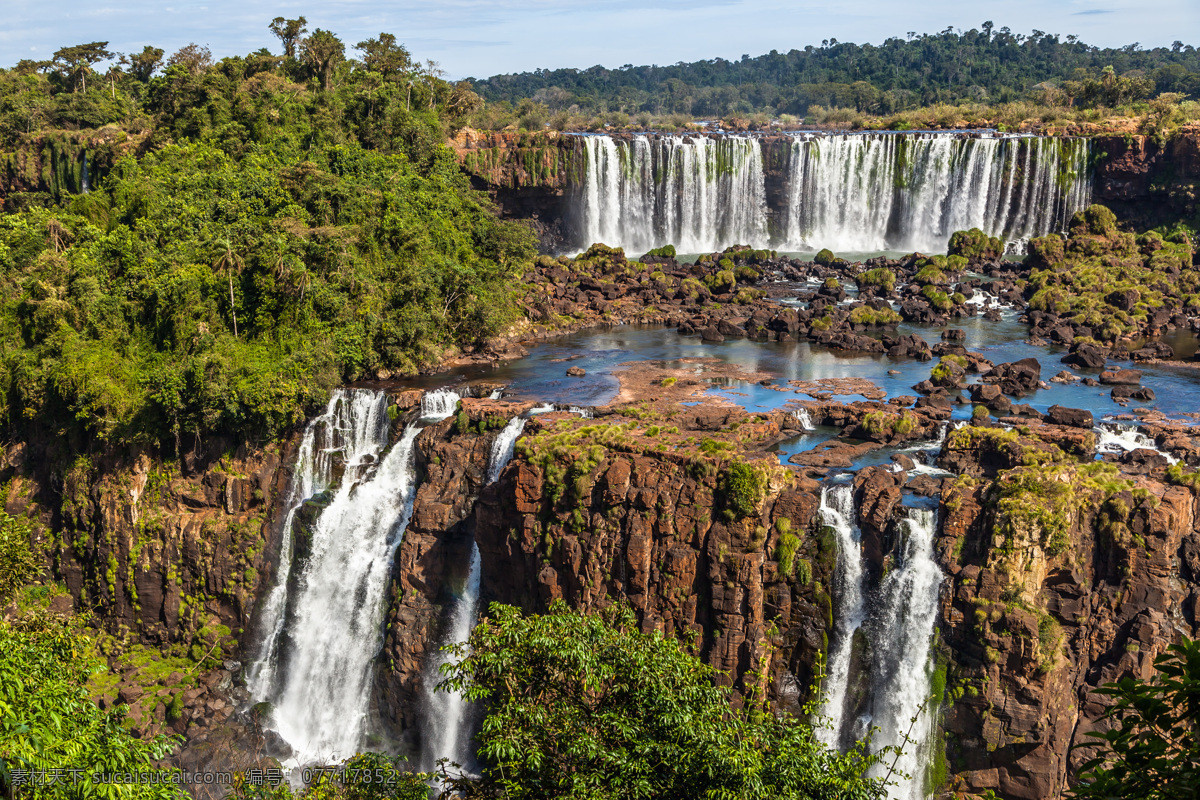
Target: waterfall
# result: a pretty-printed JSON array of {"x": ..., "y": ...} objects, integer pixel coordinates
[
  {"x": 699, "y": 193},
  {"x": 447, "y": 735},
  {"x": 451, "y": 738},
  {"x": 805, "y": 420},
  {"x": 502, "y": 448},
  {"x": 319, "y": 676},
  {"x": 439, "y": 404},
  {"x": 1114, "y": 438},
  {"x": 865, "y": 192},
  {"x": 837, "y": 512},
  {"x": 848, "y": 192},
  {"x": 346, "y": 434},
  {"x": 901, "y": 640}
]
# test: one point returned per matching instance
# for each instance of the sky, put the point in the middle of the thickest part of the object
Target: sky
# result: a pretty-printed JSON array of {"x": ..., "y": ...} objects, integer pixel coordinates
[{"x": 479, "y": 38}]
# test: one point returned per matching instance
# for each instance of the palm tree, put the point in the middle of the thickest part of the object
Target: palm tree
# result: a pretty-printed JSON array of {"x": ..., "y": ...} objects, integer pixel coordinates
[{"x": 226, "y": 261}]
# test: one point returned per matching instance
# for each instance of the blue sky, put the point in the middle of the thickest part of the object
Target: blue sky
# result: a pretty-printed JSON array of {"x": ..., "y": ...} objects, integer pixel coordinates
[{"x": 485, "y": 37}]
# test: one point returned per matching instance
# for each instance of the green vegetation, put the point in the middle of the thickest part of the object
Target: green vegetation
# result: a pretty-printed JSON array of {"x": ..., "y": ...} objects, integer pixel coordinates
[
  {"x": 307, "y": 227},
  {"x": 975, "y": 245},
  {"x": 824, "y": 257},
  {"x": 1109, "y": 281},
  {"x": 880, "y": 276},
  {"x": 1151, "y": 752},
  {"x": 18, "y": 561},
  {"x": 785, "y": 554},
  {"x": 916, "y": 82},
  {"x": 1041, "y": 503},
  {"x": 741, "y": 489},
  {"x": 666, "y": 251},
  {"x": 882, "y": 423},
  {"x": 47, "y": 720},
  {"x": 588, "y": 706},
  {"x": 874, "y": 317}
]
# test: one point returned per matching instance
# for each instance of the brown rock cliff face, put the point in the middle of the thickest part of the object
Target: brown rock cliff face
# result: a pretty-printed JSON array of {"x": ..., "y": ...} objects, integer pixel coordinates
[
  {"x": 1031, "y": 631},
  {"x": 650, "y": 528},
  {"x": 1145, "y": 182},
  {"x": 154, "y": 553}
]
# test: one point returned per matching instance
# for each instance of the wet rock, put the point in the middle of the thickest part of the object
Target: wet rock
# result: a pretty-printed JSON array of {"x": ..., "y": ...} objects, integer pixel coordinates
[
  {"x": 1064, "y": 377},
  {"x": 1126, "y": 392},
  {"x": 1086, "y": 356},
  {"x": 1121, "y": 377},
  {"x": 576, "y": 372},
  {"x": 1017, "y": 378},
  {"x": 1071, "y": 417}
]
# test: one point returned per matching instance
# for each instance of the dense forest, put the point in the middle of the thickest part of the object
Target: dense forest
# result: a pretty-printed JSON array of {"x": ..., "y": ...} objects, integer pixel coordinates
[
  {"x": 980, "y": 65},
  {"x": 259, "y": 230}
]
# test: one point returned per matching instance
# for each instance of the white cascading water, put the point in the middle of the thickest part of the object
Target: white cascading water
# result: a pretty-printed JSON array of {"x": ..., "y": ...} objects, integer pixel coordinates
[
  {"x": 837, "y": 512},
  {"x": 848, "y": 192},
  {"x": 699, "y": 193},
  {"x": 901, "y": 637},
  {"x": 439, "y": 404},
  {"x": 448, "y": 735},
  {"x": 1116, "y": 439},
  {"x": 347, "y": 432},
  {"x": 804, "y": 419},
  {"x": 864, "y": 192},
  {"x": 320, "y": 682}
]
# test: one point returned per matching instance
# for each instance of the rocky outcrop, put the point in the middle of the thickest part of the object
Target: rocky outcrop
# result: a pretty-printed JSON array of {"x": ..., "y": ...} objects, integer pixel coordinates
[
  {"x": 630, "y": 521},
  {"x": 1061, "y": 578},
  {"x": 430, "y": 567},
  {"x": 1148, "y": 183}
]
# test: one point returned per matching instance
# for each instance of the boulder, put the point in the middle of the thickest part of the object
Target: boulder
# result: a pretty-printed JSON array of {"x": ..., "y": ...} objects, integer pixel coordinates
[
  {"x": 576, "y": 372},
  {"x": 1017, "y": 378},
  {"x": 1071, "y": 417},
  {"x": 1121, "y": 377},
  {"x": 1086, "y": 356}
]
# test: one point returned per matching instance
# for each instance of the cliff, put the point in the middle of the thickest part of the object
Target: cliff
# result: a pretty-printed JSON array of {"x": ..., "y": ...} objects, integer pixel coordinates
[
  {"x": 1062, "y": 577},
  {"x": 164, "y": 561},
  {"x": 50, "y": 165},
  {"x": 1148, "y": 182}
]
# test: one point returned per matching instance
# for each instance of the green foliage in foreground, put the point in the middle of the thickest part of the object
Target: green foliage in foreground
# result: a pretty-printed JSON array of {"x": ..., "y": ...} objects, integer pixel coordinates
[
  {"x": 588, "y": 706},
  {"x": 1153, "y": 750},
  {"x": 47, "y": 721},
  {"x": 118, "y": 322},
  {"x": 18, "y": 562}
]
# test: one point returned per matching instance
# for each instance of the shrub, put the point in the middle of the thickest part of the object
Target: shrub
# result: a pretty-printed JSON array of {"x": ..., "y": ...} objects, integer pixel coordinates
[
  {"x": 975, "y": 245},
  {"x": 881, "y": 276},
  {"x": 18, "y": 562},
  {"x": 865, "y": 315},
  {"x": 666, "y": 251},
  {"x": 785, "y": 553},
  {"x": 742, "y": 489}
]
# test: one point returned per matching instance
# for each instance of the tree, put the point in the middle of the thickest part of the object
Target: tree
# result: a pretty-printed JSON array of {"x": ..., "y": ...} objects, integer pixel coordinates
[
  {"x": 227, "y": 262},
  {"x": 47, "y": 720},
  {"x": 384, "y": 56},
  {"x": 290, "y": 32},
  {"x": 143, "y": 65},
  {"x": 75, "y": 63},
  {"x": 323, "y": 52},
  {"x": 192, "y": 57},
  {"x": 588, "y": 706},
  {"x": 1153, "y": 750}
]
